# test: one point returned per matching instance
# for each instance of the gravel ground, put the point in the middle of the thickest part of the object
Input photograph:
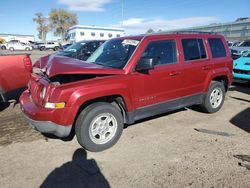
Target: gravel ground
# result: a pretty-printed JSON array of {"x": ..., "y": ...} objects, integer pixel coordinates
[{"x": 185, "y": 148}]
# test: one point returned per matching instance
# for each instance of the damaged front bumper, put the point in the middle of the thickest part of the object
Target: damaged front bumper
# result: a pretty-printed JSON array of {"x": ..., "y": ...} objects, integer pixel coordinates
[
  {"x": 44, "y": 120},
  {"x": 49, "y": 127}
]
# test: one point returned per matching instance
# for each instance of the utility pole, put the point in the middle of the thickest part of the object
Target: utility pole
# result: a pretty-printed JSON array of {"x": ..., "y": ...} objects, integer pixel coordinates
[{"x": 122, "y": 6}]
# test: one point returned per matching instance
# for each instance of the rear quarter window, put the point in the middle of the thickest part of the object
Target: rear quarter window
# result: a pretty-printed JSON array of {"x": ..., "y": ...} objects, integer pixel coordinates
[{"x": 217, "y": 48}]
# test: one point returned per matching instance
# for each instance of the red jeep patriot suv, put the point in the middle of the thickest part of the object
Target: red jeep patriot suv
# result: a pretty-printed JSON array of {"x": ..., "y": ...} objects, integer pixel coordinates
[{"x": 124, "y": 80}]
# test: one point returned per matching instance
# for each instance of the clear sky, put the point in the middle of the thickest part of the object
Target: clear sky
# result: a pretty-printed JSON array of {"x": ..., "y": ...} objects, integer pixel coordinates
[{"x": 138, "y": 15}]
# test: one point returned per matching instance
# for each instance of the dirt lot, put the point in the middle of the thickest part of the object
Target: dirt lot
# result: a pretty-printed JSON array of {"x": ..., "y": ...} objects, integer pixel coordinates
[{"x": 185, "y": 148}]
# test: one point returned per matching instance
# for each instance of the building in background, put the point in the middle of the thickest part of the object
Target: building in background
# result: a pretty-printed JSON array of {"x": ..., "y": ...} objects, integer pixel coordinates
[
  {"x": 21, "y": 38},
  {"x": 79, "y": 32},
  {"x": 233, "y": 31}
]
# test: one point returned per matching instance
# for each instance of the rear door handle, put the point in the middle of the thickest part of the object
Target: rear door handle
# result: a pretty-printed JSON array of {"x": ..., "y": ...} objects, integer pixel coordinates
[
  {"x": 206, "y": 67},
  {"x": 174, "y": 73}
]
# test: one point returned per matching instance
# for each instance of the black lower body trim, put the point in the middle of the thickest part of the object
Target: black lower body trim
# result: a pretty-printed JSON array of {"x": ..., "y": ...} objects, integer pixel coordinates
[{"x": 164, "y": 107}]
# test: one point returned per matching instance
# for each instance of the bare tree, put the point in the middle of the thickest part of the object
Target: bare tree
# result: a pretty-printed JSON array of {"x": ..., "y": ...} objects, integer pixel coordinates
[
  {"x": 150, "y": 31},
  {"x": 42, "y": 26},
  {"x": 60, "y": 21}
]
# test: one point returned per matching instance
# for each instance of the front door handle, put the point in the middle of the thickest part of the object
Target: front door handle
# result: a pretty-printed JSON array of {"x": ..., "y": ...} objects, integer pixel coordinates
[
  {"x": 174, "y": 73},
  {"x": 207, "y": 67}
]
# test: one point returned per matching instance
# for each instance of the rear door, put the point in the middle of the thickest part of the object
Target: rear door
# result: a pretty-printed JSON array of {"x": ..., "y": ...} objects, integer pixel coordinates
[
  {"x": 161, "y": 84},
  {"x": 196, "y": 65}
]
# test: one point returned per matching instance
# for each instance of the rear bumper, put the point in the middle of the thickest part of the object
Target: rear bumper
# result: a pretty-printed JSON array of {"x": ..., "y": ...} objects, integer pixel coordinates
[{"x": 49, "y": 127}]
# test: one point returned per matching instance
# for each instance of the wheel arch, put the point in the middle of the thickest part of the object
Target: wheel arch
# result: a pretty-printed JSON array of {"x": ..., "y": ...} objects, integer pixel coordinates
[
  {"x": 224, "y": 80},
  {"x": 115, "y": 100}
]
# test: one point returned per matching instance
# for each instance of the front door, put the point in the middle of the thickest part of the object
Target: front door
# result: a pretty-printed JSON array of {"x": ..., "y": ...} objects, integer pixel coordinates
[{"x": 153, "y": 89}]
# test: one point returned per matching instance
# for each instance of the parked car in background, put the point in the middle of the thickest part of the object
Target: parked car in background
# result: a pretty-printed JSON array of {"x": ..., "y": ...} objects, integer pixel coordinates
[
  {"x": 232, "y": 43},
  {"x": 50, "y": 46},
  {"x": 36, "y": 45},
  {"x": 14, "y": 73},
  {"x": 241, "y": 67},
  {"x": 81, "y": 50},
  {"x": 66, "y": 46},
  {"x": 13, "y": 45},
  {"x": 237, "y": 51},
  {"x": 124, "y": 80}
]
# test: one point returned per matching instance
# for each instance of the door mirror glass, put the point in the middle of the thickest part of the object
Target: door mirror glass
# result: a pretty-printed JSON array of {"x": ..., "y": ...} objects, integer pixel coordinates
[{"x": 145, "y": 64}]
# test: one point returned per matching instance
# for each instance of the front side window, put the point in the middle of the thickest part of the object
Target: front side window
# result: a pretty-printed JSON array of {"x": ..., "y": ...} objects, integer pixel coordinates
[
  {"x": 217, "y": 48},
  {"x": 194, "y": 49},
  {"x": 91, "y": 47},
  {"x": 114, "y": 53},
  {"x": 162, "y": 52}
]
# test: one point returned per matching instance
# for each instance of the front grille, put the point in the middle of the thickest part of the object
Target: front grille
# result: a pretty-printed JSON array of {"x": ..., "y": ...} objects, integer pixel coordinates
[{"x": 238, "y": 71}]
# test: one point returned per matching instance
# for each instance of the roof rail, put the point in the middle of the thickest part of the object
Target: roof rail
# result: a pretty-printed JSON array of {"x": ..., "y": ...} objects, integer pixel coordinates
[
  {"x": 199, "y": 32},
  {"x": 185, "y": 31}
]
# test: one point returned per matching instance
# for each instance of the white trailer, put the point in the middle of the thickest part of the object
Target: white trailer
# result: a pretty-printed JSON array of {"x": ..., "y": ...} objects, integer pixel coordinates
[{"x": 79, "y": 32}]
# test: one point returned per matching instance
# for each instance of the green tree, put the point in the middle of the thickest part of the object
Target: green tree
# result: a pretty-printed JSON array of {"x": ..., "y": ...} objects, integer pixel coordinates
[
  {"x": 42, "y": 26},
  {"x": 150, "y": 31},
  {"x": 60, "y": 21}
]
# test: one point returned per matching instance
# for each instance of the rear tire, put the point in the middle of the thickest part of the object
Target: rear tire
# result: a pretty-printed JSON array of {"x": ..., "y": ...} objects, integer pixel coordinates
[
  {"x": 214, "y": 98},
  {"x": 99, "y": 126},
  {"x": 56, "y": 48},
  {"x": 3, "y": 47}
]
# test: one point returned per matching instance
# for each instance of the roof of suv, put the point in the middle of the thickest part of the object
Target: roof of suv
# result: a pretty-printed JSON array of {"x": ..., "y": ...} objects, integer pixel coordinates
[{"x": 172, "y": 34}]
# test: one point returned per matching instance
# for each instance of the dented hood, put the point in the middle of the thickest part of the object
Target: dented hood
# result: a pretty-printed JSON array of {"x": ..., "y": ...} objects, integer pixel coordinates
[{"x": 57, "y": 65}]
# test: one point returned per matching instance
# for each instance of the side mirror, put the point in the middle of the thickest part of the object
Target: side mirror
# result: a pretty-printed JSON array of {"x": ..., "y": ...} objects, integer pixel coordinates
[{"x": 145, "y": 64}]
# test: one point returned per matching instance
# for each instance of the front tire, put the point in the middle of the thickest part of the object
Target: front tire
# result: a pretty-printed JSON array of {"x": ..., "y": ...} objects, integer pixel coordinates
[
  {"x": 11, "y": 49},
  {"x": 99, "y": 126},
  {"x": 214, "y": 98},
  {"x": 27, "y": 49},
  {"x": 42, "y": 48}
]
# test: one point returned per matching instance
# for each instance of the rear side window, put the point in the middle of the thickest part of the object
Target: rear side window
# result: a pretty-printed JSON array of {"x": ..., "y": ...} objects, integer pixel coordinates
[
  {"x": 163, "y": 52},
  {"x": 193, "y": 49},
  {"x": 217, "y": 48}
]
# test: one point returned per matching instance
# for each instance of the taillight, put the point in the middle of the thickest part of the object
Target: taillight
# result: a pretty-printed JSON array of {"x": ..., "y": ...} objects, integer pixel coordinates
[{"x": 27, "y": 64}]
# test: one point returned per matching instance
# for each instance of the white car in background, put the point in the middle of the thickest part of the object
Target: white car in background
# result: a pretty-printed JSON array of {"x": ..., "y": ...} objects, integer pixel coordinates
[{"x": 16, "y": 46}]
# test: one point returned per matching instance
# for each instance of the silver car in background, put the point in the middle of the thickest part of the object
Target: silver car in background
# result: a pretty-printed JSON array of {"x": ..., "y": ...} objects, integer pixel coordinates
[{"x": 237, "y": 51}]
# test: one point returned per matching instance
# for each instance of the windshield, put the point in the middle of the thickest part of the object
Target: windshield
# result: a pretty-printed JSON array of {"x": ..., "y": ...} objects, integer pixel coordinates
[
  {"x": 244, "y": 44},
  {"x": 114, "y": 53},
  {"x": 74, "y": 47}
]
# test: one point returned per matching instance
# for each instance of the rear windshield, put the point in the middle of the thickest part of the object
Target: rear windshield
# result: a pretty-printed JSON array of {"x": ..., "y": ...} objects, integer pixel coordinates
[{"x": 217, "y": 48}]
